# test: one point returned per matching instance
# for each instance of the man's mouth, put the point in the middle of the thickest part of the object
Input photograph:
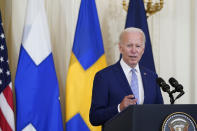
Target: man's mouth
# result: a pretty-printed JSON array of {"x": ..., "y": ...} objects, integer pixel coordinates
[{"x": 133, "y": 57}]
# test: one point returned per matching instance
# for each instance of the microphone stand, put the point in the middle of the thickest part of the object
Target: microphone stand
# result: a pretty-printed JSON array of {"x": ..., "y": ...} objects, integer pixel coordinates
[
  {"x": 178, "y": 88},
  {"x": 179, "y": 95},
  {"x": 172, "y": 100}
]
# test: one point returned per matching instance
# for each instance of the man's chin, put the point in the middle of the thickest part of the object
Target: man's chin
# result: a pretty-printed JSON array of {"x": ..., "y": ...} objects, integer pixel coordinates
[{"x": 133, "y": 64}]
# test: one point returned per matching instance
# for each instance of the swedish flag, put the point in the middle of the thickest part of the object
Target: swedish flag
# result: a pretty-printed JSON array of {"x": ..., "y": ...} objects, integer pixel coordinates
[{"x": 87, "y": 58}]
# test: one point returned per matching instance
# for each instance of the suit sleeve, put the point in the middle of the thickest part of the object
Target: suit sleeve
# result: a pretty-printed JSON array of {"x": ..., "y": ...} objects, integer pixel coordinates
[{"x": 100, "y": 111}]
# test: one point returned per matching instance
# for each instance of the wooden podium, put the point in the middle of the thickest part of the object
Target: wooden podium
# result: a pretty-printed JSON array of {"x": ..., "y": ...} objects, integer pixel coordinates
[{"x": 146, "y": 117}]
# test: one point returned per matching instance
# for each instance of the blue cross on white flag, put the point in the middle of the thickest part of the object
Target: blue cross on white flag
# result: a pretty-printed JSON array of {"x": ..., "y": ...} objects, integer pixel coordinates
[{"x": 37, "y": 93}]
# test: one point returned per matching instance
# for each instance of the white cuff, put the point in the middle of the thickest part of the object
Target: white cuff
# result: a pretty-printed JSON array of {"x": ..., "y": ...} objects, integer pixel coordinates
[{"x": 119, "y": 108}]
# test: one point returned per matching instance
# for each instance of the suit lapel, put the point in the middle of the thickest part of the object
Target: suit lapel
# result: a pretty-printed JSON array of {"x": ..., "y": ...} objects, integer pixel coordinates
[
  {"x": 122, "y": 78},
  {"x": 144, "y": 76}
]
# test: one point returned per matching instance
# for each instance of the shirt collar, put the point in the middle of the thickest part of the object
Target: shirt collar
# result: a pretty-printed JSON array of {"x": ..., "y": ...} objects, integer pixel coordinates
[{"x": 127, "y": 68}]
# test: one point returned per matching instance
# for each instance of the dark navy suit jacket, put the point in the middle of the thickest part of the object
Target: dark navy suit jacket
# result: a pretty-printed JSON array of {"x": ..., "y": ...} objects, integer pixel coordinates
[{"x": 111, "y": 86}]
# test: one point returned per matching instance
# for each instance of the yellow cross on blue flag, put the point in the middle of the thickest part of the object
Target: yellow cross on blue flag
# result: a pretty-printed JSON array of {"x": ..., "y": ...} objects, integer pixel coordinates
[{"x": 86, "y": 59}]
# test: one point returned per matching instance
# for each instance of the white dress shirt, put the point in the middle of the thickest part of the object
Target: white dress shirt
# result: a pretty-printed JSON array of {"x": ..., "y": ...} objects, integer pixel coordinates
[
  {"x": 128, "y": 74},
  {"x": 127, "y": 71}
]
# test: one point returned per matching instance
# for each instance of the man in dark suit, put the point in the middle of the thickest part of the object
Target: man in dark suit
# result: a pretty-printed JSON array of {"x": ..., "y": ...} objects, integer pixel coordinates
[{"x": 124, "y": 83}]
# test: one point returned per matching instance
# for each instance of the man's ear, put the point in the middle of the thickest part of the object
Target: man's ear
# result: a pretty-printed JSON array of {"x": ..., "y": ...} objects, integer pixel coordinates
[{"x": 120, "y": 48}]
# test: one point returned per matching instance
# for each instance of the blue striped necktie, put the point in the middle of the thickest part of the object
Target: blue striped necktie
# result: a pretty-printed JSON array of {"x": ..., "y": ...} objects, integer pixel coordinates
[{"x": 134, "y": 85}]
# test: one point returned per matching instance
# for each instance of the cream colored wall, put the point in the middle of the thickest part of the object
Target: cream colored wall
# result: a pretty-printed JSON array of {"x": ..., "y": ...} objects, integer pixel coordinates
[
  {"x": 172, "y": 30},
  {"x": 174, "y": 47},
  {"x": 194, "y": 51}
]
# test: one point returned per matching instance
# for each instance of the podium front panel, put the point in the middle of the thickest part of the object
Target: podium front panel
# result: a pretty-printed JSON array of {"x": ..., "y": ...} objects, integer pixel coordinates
[{"x": 146, "y": 117}]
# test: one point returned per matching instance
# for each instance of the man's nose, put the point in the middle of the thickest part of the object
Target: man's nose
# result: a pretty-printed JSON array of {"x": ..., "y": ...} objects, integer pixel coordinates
[{"x": 133, "y": 49}]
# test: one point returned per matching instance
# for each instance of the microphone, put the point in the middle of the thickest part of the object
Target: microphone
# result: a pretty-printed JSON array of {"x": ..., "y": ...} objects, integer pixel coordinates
[
  {"x": 174, "y": 83},
  {"x": 165, "y": 87},
  {"x": 178, "y": 87}
]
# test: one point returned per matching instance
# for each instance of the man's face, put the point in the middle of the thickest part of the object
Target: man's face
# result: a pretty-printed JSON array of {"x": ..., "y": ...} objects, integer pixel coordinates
[{"x": 131, "y": 47}]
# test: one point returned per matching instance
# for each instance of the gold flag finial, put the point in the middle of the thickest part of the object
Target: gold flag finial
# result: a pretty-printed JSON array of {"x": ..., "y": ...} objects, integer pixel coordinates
[{"x": 150, "y": 6}]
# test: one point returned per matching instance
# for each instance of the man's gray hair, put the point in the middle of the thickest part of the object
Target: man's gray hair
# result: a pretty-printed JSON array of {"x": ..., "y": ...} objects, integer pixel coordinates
[{"x": 133, "y": 29}]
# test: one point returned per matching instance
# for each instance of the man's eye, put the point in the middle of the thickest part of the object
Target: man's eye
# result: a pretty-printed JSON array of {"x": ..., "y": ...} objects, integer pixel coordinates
[{"x": 138, "y": 46}]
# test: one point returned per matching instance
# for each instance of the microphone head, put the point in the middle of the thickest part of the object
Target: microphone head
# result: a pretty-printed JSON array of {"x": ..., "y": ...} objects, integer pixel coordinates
[
  {"x": 165, "y": 87},
  {"x": 160, "y": 81},
  {"x": 179, "y": 88},
  {"x": 173, "y": 82}
]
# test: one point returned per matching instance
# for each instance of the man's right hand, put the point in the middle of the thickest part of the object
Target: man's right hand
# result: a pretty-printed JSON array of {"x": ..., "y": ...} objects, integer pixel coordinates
[{"x": 127, "y": 101}]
